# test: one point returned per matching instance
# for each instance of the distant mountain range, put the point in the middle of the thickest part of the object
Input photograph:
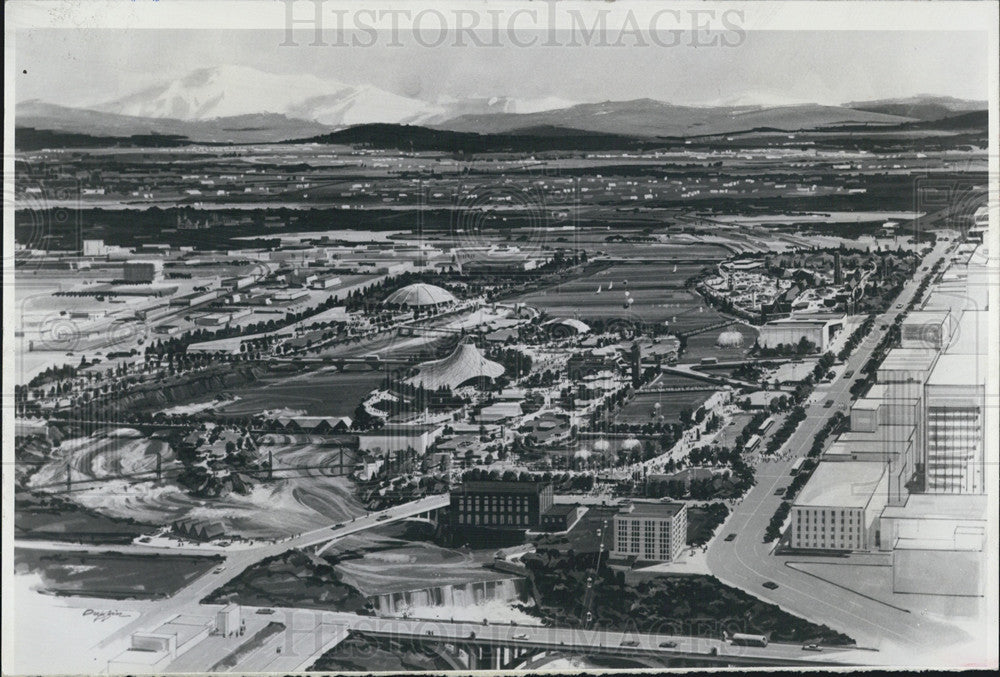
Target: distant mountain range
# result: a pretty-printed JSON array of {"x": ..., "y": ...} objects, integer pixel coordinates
[
  {"x": 924, "y": 107},
  {"x": 235, "y": 104}
]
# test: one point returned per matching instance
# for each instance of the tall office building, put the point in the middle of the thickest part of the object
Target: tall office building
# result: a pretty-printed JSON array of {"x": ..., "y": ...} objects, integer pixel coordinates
[
  {"x": 650, "y": 532},
  {"x": 954, "y": 402},
  {"x": 903, "y": 373}
]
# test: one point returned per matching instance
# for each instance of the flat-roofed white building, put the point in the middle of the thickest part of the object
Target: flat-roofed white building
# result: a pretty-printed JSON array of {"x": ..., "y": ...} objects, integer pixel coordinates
[
  {"x": 651, "y": 532},
  {"x": 839, "y": 507},
  {"x": 398, "y": 437},
  {"x": 930, "y": 329},
  {"x": 938, "y": 544},
  {"x": 818, "y": 329}
]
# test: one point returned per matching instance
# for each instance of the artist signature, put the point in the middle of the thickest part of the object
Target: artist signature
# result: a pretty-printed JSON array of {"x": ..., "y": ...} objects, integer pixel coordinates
[{"x": 99, "y": 616}]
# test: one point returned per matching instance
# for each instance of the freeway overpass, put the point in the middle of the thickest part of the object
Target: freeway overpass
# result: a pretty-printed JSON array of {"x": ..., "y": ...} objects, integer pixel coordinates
[
  {"x": 495, "y": 647},
  {"x": 462, "y": 645}
]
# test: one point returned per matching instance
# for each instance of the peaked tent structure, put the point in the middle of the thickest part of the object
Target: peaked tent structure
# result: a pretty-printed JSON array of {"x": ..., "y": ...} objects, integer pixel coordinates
[{"x": 466, "y": 363}]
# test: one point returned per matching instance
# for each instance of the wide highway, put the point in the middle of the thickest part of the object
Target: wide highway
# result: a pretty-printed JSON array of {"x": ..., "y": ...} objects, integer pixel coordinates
[{"x": 747, "y": 562}]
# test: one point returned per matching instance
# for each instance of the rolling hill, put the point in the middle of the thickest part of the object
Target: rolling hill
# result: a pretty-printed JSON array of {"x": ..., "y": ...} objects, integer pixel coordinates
[{"x": 649, "y": 118}]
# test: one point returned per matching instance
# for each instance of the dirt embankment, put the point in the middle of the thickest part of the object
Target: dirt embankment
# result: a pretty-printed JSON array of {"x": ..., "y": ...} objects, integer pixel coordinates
[{"x": 188, "y": 388}]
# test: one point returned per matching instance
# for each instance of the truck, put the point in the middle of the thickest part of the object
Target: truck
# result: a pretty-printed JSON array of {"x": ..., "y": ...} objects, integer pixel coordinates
[{"x": 744, "y": 639}]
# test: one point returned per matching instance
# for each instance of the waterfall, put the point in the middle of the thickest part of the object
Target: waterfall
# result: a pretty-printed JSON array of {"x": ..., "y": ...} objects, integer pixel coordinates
[{"x": 457, "y": 595}]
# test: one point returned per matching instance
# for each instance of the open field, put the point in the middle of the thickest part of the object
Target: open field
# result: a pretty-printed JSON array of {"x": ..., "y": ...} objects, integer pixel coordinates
[
  {"x": 657, "y": 292},
  {"x": 642, "y": 408},
  {"x": 114, "y": 575},
  {"x": 325, "y": 392}
]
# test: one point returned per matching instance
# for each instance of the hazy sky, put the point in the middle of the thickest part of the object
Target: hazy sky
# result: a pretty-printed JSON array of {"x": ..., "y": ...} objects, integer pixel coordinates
[{"x": 73, "y": 66}]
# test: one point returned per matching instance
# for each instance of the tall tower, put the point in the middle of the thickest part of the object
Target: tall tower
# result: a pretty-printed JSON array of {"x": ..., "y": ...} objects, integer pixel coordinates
[{"x": 636, "y": 364}]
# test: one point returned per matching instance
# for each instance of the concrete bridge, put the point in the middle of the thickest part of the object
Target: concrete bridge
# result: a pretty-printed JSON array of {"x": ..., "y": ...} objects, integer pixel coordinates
[{"x": 472, "y": 646}]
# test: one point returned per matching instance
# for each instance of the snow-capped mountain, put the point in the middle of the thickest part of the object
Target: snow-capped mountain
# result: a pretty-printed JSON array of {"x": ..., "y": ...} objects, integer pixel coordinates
[{"x": 227, "y": 91}]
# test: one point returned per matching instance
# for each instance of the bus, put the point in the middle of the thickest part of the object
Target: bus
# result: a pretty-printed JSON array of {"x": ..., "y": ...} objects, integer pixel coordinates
[
  {"x": 744, "y": 639},
  {"x": 797, "y": 466},
  {"x": 766, "y": 425},
  {"x": 752, "y": 443}
]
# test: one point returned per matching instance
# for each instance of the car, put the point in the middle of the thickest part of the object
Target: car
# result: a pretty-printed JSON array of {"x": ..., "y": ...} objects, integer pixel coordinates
[
  {"x": 668, "y": 645},
  {"x": 630, "y": 642},
  {"x": 811, "y": 647},
  {"x": 265, "y": 612},
  {"x": 381, "y": 518},
  {"x": 779, "y": 491},
  {"x": 145, "y": 539},
  {"x": 338, "y": 526},
  {"x": 898, "y": 306},
  {"x": 849, "y": 373},
  {"x": 770, "y": 585},
  {"x": 521, "y": 636},
  {"x": 828, "y": 404},
  {"x": 219, "y": 570},
  {"x": 730, "y": 537}
]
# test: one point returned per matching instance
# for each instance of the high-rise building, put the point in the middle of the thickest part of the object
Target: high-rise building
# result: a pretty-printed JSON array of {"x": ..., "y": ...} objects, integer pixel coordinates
[
  {"x": 652, "y": 532},
  {"x": 903, "y": 373},
  {"x": 954, "y": 407}
]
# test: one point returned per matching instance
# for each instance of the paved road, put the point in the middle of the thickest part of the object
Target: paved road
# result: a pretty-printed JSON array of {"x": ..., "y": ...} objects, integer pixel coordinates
[
  {"x": 747, "y": 562},
  {"x": 187, "y": 599}
]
